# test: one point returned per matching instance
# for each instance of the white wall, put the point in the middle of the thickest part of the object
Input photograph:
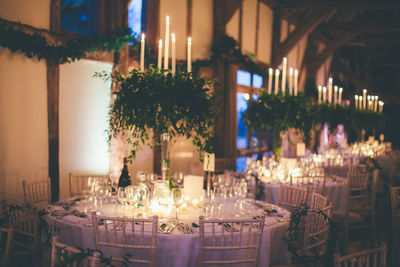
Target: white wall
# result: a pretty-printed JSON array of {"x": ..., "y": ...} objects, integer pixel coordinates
[
  {"x": 84, "y": 102},
  {"x": 23, "y": 105}
]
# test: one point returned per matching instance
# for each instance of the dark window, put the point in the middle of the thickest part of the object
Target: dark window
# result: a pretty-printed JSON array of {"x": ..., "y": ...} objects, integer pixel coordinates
[{"x": 79, "y": 16}]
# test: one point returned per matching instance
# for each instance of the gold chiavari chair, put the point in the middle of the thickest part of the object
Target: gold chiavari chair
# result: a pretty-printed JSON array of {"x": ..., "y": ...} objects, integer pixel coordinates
[
  {"x": 316, "y": 230},
  {"x": 230, "y": 241},
  {"x": 395, "y": 201},
  {"x": 61, "y": 254},
  {"x": 318, "y": 201},
  {"x": 114, "y": 233},
  {"x": 79, "y": 182},
  {"x": 6, "y": 246},
  {"x": 358, "y": 201},
  {"x": 367, "y": 258},
  {"x": 37, "y": 193},
  {"x": 291, "y": 196},
  {"x": 25, "y": 221}
]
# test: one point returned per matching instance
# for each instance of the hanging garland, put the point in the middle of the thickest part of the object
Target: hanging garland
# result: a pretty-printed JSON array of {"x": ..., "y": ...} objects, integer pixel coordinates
[{"x": 70, "y": 49}]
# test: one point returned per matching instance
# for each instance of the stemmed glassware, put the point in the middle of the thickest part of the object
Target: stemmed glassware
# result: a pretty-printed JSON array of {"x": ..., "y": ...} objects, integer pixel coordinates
[
  {"x": 102, "y": 191},
  {"x": 122, "y": 196},
  {"x": 177, "y": 196},
  {"x": 179, "y": 176},
  {"x": 208, "y": 203},
  {"x": 132, "y": 197},
  {"x": 220, "y": 197}
]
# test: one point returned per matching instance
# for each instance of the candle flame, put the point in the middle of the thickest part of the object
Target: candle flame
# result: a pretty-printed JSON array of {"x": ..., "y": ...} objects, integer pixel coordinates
[
  {"x": 142, "y": 36},
  {"x": 356, "y": 97},
  {"x": 361, "y": 97},
  {"x": 160, "y": 43},
  {"x": 296, "y": 72},
  {"x": 365, "y": 91},
  {"x": 189, "y": 40},
  {"x": 330, "y": 80},
  {"x": 335, "y": 88},
  {"x": 285, "y": 60},
  {"x": 271, "y": 71},
  {"x": 324, "y": 89},
  {"x": 319, "y": 87},
  {"x": 291, "y": 71},
  {"x": 376, "y": 97},
  {"x": 167, "y": 19},
  {"x": 173, "y": 36},
  {"x": 340, "y": 90},
  {"x": 277, "y": 72}
]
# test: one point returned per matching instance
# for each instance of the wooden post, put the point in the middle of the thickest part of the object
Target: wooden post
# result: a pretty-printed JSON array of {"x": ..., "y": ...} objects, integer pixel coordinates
[{"x": 53, "y": 92}]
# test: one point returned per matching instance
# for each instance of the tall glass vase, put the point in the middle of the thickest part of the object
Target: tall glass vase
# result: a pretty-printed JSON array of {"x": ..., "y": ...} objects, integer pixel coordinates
[{"x": 164, "y": 155}]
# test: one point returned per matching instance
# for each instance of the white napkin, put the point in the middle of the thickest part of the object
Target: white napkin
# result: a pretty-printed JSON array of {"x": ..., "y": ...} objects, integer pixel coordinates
[{"x": 74, "y": 219}]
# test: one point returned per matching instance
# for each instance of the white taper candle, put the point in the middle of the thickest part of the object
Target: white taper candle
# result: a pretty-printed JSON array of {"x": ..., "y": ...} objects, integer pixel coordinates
[
  {"x": 166, "y": 43},
  {"x": 159, "y": 54},
  {"x": 142, "y": 53},
  {"x": 270, "y": 77}
]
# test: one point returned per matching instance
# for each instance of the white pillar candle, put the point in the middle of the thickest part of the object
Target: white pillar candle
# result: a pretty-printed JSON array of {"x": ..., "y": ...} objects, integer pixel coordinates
[
  {"x": 324, "y": 94},
  {"x": 173, "y": 42},
  {"x": 291, "y": 81},
  {"x": 330, "y": 90},
  {"x": 159, "y": 54},
  {"x": 364, "y": 99},
  {"x": 356, "y": 101},
  {"x": 319, "y": 94},
  {"x": 284, "y": 75},
  {"x": 276, "y": 81},
  {"x": 271, "y": 73},
  {"x": 376, "y": 103},
  {"x": 166, "y": 43},
  {"x": 335, "y": 94},
  {"x": 296, "y": 81},
  {"x": 340, "y": 95},
  {"x": 189, "y": 54},
  {"x": 360, "y": 105},
  {"x": 142, "y": 53}
]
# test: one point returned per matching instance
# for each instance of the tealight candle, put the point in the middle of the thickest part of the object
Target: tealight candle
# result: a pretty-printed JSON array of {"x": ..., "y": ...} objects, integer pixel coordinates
[
  {"x": 195, "y": 203},
  {"x": 187, "y": 199}
]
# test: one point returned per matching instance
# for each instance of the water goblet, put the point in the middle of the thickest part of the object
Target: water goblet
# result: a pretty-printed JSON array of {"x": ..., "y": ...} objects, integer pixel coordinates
[
  {"x": 220, "y": 197},
  {"x": 101, "y": 192},
  {"x": 178, "y": 197},
  {"x": 122, "y": 196},
  {"x": 133, "y": 198},
  {"x": 179, "y": 176}
]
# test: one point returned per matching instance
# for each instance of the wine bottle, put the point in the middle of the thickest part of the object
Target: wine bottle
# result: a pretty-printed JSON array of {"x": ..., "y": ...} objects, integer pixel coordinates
[{"x": 124, "y": 179}]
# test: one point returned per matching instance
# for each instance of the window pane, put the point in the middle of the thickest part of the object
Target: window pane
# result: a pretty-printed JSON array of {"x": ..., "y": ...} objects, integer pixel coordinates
[
  {"x": 135, "y": 17},
  {"x": 241, "y": 164},
  {"x": 257, "y": 81},
  {"x": 241, "y": 104},
  {"x": 255, "y": 97},
  {"x": 78, "y": 16},
  {"x": 243, "y": 78}
]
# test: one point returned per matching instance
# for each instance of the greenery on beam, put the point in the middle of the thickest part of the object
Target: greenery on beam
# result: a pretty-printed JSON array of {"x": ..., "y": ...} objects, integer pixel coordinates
[
  {"x": 154, "y": 101},
  {"x": 36, "y": 45}
]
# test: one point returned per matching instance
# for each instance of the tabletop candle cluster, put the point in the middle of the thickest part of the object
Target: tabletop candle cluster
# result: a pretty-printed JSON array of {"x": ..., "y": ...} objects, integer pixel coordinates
[
  {"x": 332, "y": 94},
  {"x": 292, "y": 79},
  {"x": 368, "y": 102},
  {"x": 166, "y": 51}
]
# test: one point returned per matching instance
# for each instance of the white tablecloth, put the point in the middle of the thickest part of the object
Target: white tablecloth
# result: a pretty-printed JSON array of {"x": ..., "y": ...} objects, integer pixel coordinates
[
  {"x": 174, "y": 249},
  {"x": 336, "y": 192}
]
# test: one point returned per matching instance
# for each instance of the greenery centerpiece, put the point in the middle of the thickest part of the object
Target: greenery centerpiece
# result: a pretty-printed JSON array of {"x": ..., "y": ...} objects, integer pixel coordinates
[
  {"x": 156, "y": 101},
  {"x": 278, "y": 113}
]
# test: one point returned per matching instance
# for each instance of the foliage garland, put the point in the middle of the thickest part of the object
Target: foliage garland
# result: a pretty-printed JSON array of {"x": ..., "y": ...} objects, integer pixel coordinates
[
  {"x": 291, "y": 240},
  {"x": 179, "y": 105},
  {"x": 278, "y": 113},
  {"x": 36, "y": 45}
]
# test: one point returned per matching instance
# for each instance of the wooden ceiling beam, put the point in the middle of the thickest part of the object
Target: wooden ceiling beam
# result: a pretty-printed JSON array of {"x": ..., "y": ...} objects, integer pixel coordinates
[
  {"x": 364, "y": 27},
  {"x": 329, "y": 50},
  {"x": 273, "y": 4},
  {"x": 305, "y": 27},
  {"x": 365, "y": 4}
]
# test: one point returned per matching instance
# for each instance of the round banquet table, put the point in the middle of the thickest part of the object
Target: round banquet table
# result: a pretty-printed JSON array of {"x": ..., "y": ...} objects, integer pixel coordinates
[
  {"x": 335, "y": 190},
  {"x": 175, "y": 249}
]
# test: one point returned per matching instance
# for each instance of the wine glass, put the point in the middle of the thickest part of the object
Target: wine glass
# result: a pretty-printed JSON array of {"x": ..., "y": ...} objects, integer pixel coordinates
[
  {"x": 220, "y": 197},
  {"x": 132, "y": 196},
  {"x": 101, "y": 192},
  {"x": 122, "y": 196},
  {"x": 179, "y": 176},
  {"x": 208, "y": 200},
  {"x": 177, "y": 196}
]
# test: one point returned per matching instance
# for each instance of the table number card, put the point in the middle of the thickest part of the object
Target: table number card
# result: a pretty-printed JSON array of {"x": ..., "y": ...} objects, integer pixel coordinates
[{"x": 209, "y": 162}]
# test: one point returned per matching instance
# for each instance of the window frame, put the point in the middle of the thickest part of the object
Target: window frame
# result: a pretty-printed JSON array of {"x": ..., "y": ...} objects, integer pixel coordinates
[{"x": 251, "y": 90}]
